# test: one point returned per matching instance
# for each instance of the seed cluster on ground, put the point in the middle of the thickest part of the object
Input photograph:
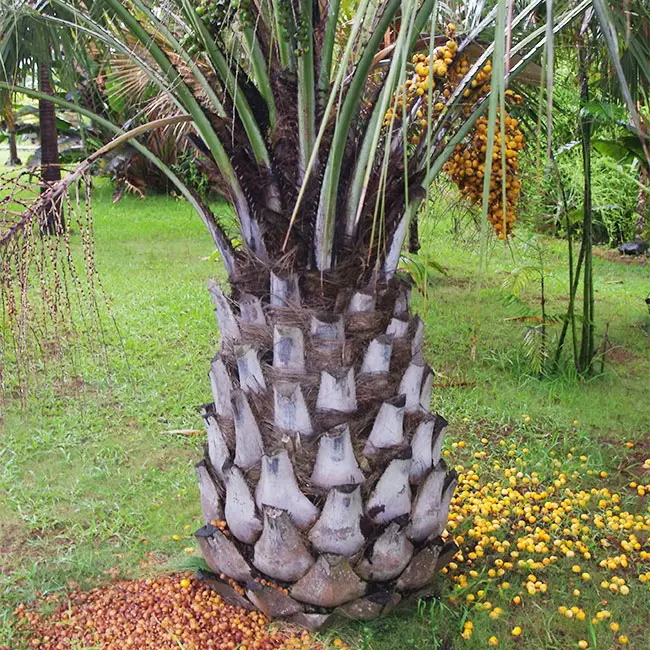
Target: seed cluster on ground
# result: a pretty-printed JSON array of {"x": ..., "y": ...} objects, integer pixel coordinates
[
  {"x": 163, "y": 613},
  {"x": 536, "y": 551}
]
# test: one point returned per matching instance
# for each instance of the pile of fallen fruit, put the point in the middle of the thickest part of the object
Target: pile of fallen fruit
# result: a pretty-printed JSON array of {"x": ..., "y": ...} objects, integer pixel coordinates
[{"x": 164, "y": 613}]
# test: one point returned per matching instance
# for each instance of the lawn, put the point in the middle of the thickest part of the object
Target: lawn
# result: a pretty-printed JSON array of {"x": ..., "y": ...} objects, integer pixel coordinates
[{"x": 95, "y": 483}]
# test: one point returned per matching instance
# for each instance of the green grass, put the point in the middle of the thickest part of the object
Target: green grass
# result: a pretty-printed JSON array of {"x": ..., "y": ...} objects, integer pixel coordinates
[
  {"x": 506, "y": 388},
  {"x": 93, "y": 485}
]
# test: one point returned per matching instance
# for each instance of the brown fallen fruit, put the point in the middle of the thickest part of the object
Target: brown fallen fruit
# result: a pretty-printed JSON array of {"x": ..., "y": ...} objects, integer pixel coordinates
[{"x": 162, "y": 613}]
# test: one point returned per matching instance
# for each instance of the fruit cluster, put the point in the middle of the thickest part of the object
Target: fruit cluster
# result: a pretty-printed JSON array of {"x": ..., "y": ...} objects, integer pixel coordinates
[
  {"x": 216, "y": 15},
  {"x": 441, "y": 73},
  {"x": 466, "y": 167},
  {"x": 435, "y": 71}
]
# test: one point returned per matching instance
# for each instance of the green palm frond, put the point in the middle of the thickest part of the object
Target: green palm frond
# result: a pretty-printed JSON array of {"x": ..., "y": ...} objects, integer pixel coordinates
[{"x": 535, "y": 349}]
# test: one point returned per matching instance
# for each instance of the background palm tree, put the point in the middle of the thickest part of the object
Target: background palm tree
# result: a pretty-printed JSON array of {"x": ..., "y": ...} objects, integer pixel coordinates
[
  {"x": 323, "y": 486},
  {"x": 50, "y": 169},
  {"x": 32, "y": 49}
]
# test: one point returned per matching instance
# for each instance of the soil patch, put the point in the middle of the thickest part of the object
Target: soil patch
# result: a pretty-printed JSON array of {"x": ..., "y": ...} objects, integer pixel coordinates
[
  {"x": 619, "y": 354},
  {"x": 12, "y": 538}
]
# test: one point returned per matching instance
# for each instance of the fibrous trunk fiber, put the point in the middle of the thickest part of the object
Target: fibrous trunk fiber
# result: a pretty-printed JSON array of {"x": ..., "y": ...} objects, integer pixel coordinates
[{"x": 322, "y": 488}]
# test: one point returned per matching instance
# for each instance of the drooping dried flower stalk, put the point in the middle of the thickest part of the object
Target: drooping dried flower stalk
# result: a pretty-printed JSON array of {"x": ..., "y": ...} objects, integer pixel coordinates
[{"x": 50, "y": 293}]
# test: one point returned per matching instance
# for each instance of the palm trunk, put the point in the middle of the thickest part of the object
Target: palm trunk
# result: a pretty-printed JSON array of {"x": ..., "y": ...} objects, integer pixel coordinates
[
  {"x": 6, "y": 111},
  {"x": 11, "y": 137},
  {"x": 50, "y": 170},
  {"x": 13, "y": 148},
  {"x": 586, "y": 356},
  {"x": 642, "y": 201},
  {"x": 323, "y": 488}
]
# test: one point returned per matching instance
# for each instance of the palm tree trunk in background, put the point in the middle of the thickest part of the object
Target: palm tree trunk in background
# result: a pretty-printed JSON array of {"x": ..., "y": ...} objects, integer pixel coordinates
[
  {"x": 11, "y": 136},
  {"x": 587, "y": 345},
  {"x": 50, "y": 170},
  {"x": 13, "y": 149},
  {"x": 642, "y": 201}
]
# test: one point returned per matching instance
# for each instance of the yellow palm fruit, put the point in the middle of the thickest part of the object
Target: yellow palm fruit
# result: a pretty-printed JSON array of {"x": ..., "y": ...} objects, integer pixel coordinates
[{"x": 421, "y": 70}]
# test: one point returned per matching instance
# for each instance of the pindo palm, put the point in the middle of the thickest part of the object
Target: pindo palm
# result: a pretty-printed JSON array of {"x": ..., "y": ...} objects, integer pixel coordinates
[{"x": 323, "y": 488}]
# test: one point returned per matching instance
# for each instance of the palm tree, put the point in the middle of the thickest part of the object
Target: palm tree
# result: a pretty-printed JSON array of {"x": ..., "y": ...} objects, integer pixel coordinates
[
  {"x": 322, "y": 487},
  {"x": 32, "y": 49},
  {"x": 50, "y": 169}
]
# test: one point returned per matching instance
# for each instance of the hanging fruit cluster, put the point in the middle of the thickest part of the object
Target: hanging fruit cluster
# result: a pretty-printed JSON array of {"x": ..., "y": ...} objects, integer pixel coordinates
[
  {"x": 216, "y": 15},
  {"x": 466, "y": 167},
  {"x": 435, "y": 70},
  {"x": 441, "y": 73}
]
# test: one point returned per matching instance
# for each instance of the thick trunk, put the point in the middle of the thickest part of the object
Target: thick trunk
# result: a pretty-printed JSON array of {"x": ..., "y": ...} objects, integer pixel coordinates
[
  {"x": 50, "y": 170},
  {"x": 322, "y": 487}
]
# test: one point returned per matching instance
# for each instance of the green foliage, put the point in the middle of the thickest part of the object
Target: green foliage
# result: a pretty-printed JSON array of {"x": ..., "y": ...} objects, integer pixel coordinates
[
  {"x": 614, "y": 189},
  {"x": 189, "y": 171},
  {"x": 618, "y": 92},
  {"x": 539, "y": 335},
  {"x": 420, "y": 270}
]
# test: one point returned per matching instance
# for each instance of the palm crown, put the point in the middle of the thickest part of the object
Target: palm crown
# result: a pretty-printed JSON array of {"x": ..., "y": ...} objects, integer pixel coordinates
[{"x": 325, "y": 133}]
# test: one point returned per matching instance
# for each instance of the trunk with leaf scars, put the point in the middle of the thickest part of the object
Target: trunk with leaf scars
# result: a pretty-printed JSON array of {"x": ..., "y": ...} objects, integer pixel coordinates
[
  {"x": 323, "y": 488},
  {"x": 50, "y": 170}
]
